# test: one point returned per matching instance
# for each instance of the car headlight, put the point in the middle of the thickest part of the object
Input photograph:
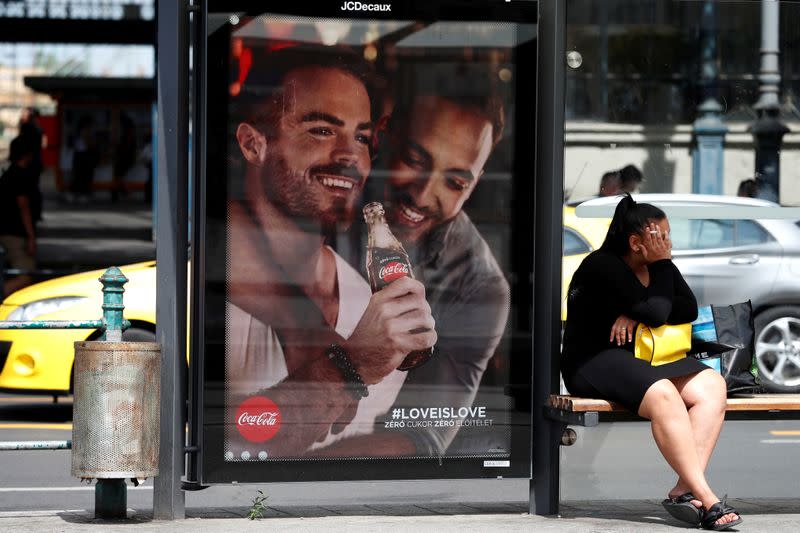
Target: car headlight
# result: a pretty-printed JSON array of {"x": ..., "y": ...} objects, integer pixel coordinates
[{"x": 33, "y": 310}]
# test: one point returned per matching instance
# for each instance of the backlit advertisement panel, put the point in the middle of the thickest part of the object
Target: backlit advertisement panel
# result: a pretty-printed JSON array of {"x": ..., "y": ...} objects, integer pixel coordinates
[{"x": 368, "y": 250}]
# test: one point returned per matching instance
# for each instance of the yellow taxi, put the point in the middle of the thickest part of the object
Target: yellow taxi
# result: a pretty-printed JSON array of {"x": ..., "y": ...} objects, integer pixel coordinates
[
  {"x": 40, "y": 361},
  {"x": 581, "y": 236}
]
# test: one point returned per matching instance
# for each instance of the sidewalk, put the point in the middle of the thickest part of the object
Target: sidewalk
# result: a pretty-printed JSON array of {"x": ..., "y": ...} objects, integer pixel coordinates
[{"x": 594, "y": 516}]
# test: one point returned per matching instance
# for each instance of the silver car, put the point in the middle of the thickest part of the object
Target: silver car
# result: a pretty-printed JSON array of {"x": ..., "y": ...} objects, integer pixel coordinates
[{"x": 729, "y": 258}]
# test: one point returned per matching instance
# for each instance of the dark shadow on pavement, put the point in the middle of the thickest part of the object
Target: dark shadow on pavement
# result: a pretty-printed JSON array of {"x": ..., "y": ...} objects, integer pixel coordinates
[
  {"x": 240, "y": 512},
  {"x": 37, "y": 412},
  {"x": 87, "y": 517}
]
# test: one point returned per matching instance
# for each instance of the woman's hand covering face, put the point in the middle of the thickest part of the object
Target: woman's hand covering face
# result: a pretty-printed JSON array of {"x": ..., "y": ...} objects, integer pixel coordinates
[{"x": 656, "y": 244}]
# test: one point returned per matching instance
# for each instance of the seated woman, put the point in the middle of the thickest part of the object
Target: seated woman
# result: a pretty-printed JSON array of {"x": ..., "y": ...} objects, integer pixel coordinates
[{"x": 631, "y": 279}]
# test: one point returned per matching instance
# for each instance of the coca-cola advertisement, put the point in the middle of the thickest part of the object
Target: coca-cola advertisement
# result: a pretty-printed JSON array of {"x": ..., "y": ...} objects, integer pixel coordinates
[{"x": 366, "y": 206}]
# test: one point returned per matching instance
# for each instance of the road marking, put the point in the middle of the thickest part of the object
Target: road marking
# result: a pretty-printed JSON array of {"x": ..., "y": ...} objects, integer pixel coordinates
[
  {"x": 785, "y": 433},
  {"x": 35, "y": 399},
  {"x": 64, "y": 489},
  {"x": 780, "y": 441},
  {"x": 22, "y": 514},
  {"x": 35, "y": 426}
]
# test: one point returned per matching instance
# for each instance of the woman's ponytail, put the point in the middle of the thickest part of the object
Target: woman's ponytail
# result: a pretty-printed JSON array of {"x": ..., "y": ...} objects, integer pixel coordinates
[{"x": 629, "y": 217}]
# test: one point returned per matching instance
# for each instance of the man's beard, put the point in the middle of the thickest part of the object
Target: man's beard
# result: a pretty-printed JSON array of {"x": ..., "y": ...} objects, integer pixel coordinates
[{"x": 293, "y": 195}]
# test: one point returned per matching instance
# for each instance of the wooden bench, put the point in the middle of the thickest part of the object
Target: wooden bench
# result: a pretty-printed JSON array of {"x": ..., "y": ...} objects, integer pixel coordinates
[
  {"x": 563, "y": 410},
  {"x": 586, "y": 411}
]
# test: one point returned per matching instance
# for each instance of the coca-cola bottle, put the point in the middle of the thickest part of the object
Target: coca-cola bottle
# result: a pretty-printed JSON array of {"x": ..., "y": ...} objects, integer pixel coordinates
[{"x": 387, "y": 261}]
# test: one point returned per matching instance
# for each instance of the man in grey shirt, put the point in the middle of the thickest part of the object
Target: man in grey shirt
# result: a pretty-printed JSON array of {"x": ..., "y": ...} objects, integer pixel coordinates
[{"x": 437, "y": 147}]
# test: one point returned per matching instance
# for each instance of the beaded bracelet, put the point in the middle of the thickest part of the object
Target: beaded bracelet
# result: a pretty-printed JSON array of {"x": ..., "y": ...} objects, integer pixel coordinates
[{"x": 355, "y": 384}]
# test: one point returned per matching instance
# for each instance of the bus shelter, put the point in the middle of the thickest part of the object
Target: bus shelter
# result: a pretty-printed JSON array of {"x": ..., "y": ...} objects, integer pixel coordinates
[{"x": 547, "y": 65}]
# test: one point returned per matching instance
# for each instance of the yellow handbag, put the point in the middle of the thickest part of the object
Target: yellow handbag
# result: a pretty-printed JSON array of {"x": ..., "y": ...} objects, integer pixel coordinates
[{"x": 662, "y": 345}]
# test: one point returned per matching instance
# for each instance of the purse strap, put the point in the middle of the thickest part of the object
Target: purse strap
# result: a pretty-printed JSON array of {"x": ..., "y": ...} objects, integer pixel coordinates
[
  {"x": 640, "y": 331},
  {"x": 653, "y": 338}
]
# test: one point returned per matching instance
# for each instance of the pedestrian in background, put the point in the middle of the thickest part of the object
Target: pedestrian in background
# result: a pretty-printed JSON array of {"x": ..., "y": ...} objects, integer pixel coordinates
[
  {"x": 748, "y": 188},
  {"x": 627, "y": 179},
  {"x": 757, "y": 187},
  {"x": 84, "y": 160},
  {"x": 17, "y": 233},
  {"x": 30, "y": 131},
  {"x": 125, "y": 155},
  {"x": 610, "y": 184},
  {"x": 630, "y": 178}
]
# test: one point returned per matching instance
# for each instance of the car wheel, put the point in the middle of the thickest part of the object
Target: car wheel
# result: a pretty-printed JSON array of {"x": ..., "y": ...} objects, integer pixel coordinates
[
  {"x": 135, "y": 334},
  {"x": 138, "y": 335},
  {"x": 778, "y": 348},
  {"x": 129, "y": 335}
]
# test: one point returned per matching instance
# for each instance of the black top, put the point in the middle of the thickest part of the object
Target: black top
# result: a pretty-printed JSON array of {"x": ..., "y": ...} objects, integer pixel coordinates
[
  {"x": 32, "y": 135},
  {"x": 14, "y": 182},
  {"x": 605, "y": 287}
]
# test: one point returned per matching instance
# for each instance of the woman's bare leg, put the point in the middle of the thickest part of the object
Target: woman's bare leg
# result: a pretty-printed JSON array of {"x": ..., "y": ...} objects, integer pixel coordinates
[
  {"x": 672, "y": 430},
  {"x": 704, "y": 395}
]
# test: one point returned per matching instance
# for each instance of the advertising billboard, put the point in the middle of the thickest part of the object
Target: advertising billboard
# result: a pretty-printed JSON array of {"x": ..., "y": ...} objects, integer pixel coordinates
[{"x": 367, "y": 252}]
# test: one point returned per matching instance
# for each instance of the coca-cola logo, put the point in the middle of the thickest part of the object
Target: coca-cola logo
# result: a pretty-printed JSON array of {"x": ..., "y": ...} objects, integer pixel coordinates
[
  {"x": 392, "y": 271},
  {"x": 258, "y": 419}
]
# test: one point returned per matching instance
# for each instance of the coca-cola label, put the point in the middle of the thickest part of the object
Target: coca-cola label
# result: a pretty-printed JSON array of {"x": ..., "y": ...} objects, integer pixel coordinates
[
  {"x": 392, "y": 271},
  {"x": 385, "y": 265},
  {"x": 258, "y": 419}
]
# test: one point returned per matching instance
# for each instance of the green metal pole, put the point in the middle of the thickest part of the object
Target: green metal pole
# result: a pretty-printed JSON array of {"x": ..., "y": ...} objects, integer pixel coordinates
[
  {"x": 113, "y": 280},
  {"x": 36, "y": 445},
  {"x": 110, "y": 495},
  {"x": 110, "y": 499},
  {"x": 51, "y": 324}
]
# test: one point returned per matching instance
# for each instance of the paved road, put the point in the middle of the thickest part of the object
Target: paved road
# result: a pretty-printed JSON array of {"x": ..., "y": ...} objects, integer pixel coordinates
[{"x": 612, "y": 461}]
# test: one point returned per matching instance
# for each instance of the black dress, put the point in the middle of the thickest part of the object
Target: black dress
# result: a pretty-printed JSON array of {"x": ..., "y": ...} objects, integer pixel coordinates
[{"x": 603, "y": 288}]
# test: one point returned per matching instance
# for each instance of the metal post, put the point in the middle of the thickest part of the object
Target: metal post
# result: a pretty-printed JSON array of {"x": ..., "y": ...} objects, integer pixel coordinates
[
  {"x": 708, "y": 130},
  {"x": 171, "y": 250},
  {"x": 113, "y": 280},
  {"x": 601, "y": 85},
  {"x": 110, "y": 495},
  {"x": 110, "y": 499},
  {"x": 36, "y": 445},
  {"x": 198, "y": 141},
  {"x": 548, "y": 199},
  {"x": 768, "y": 130}
]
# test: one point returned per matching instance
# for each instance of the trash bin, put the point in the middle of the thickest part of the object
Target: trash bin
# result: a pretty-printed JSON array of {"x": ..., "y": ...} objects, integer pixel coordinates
[{"x": 115, "y": 420}]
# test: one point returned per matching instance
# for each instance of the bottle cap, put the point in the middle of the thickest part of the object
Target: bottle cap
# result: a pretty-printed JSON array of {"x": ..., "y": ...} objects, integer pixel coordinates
[{"x": 372, "y": 210}]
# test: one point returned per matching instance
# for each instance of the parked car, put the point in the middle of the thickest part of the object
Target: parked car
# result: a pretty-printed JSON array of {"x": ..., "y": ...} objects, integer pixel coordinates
[
  {"x": 40, "y": 361},
  {"x": 581, "y": 236},
  {"x": 727, "y": 260}
]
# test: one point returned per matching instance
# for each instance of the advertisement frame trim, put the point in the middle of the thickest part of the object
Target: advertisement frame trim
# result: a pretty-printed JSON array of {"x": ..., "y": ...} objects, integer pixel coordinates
[{"x": 205, "y": 473}]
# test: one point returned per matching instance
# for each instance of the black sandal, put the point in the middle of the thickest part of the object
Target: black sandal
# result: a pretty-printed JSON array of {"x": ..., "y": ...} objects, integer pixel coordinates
[
  {"x": 714, "y": 513},
  {"x": 681, "y": 508}
]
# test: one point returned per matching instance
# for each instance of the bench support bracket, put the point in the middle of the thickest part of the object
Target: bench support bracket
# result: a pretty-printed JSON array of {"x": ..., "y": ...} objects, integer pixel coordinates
[{"x": 586, "y": 419}]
